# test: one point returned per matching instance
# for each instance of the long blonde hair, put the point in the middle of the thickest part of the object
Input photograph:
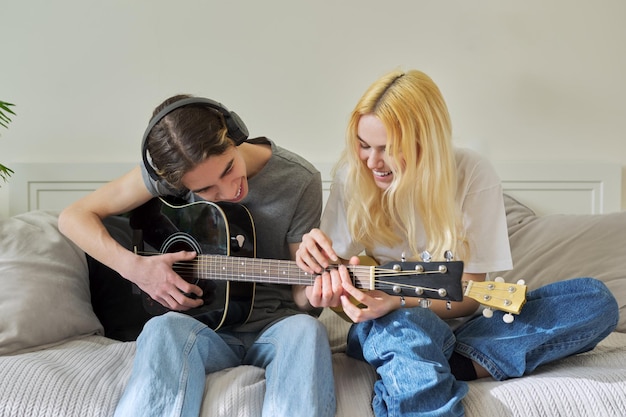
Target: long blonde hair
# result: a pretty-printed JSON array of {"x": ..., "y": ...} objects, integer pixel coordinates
[{"x": 421, "y": 155}]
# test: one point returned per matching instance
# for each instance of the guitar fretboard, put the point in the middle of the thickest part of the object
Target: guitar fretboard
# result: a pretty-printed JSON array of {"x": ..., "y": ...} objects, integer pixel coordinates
[
  {"x": 269, "y": 271},
  {"x": 391, "y": 279}
]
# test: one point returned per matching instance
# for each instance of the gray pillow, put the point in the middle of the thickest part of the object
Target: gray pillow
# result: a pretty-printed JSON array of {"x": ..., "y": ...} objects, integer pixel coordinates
[
  {"x": 555, "y": 247},
  {"x": 45, "y": 286}
]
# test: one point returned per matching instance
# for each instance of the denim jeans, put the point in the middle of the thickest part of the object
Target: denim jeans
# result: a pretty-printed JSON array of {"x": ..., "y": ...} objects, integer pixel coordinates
[
  {"x": 175, "y": 352},
  {"x": 410, "y": 347}
]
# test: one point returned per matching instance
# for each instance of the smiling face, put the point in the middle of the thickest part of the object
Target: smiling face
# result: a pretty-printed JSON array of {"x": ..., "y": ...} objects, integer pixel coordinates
[
  {"x": 372, "y": 136},
  {"x": 219, "y": 178}
]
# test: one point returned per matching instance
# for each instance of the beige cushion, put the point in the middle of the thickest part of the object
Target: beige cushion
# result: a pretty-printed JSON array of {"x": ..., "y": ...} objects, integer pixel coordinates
[
  {"x": 45, "y": 287},
  {"x": 556, "y": 247}
]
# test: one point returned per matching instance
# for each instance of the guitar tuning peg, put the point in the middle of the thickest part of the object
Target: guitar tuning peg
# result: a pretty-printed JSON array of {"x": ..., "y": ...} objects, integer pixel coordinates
[
  {"x": 426, "y": 256},
  {"x": 488, "y": 313},
  {"x": 521, "y": 282},
  {"x": 448, "y": 255},
  {"x": 403, "y": 257}
]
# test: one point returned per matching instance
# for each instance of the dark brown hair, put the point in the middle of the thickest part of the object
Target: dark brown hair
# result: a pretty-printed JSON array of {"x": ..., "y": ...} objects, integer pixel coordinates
[{"x": 184, "y": 138}]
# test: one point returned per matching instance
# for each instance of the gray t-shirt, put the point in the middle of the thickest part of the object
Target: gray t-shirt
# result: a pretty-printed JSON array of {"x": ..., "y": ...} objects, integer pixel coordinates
[{"x": 285, "y": 201}]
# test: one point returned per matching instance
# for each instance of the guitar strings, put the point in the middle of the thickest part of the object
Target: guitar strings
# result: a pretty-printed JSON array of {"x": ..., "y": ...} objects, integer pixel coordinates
[
  {"x": 280, "y": 271},
  {"x": 227, "y": 268},
  {"x": 491, "y": 294}
]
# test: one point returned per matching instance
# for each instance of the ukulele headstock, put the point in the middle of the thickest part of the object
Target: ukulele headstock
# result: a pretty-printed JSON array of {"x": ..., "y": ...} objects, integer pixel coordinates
[{"x": 498, "y": 295}]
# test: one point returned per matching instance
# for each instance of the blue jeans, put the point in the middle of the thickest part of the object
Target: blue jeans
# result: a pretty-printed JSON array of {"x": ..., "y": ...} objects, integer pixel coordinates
[
  {"x": 175, "y": 352},
  {"x": 410, "y": 347}
]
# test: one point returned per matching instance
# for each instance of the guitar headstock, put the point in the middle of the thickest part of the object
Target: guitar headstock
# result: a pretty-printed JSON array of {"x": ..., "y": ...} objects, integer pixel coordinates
[
  {"x": 498, "y": 295},
  {"x": 434, "y": 280}
]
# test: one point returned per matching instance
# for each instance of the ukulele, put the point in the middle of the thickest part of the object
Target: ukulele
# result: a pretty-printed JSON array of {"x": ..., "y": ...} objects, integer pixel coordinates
[{"x": 223, "y": 236}]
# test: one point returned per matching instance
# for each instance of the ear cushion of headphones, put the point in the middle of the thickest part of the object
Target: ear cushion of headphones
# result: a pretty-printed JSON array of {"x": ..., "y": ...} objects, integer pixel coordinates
[{"x": 236, "y": 128}]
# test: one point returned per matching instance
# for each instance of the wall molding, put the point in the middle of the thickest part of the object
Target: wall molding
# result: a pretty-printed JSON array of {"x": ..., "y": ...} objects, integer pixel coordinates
[{"x": 547, "y": 187}]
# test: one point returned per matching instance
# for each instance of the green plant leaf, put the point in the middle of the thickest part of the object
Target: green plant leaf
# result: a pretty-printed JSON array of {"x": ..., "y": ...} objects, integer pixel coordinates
[
  {"x": 5, "y": 172},
  {"x": 4, "y": 109},
  {"x": 4, "y": 122}
]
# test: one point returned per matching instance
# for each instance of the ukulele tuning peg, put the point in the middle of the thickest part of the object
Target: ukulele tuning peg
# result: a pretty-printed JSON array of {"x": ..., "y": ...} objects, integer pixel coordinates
[
  {"x": 508, "y": 318},
  {"x": 448, "y": 255},
  {"x": 426, "y": 256},
  {"x": 521, "y": 282}
]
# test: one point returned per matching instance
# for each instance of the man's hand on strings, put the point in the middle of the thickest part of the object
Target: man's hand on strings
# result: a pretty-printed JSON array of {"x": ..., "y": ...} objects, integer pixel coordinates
[
  {"x": 155, "y": 276},
  {"x": 328, "y": 287}
]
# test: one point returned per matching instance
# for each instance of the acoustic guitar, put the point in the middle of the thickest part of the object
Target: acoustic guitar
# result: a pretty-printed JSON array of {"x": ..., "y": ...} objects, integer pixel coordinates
[{"x": 223, "y": 236}]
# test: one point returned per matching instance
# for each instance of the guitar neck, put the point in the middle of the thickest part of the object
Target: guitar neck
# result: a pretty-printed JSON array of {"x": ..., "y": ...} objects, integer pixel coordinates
[
  {"x": 428, "y": 280},
  {"x": 268, "y": 271}
]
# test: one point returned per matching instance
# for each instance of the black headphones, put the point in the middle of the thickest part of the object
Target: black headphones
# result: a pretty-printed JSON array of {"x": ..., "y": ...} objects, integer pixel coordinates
[{"x": 237, "y": 130}]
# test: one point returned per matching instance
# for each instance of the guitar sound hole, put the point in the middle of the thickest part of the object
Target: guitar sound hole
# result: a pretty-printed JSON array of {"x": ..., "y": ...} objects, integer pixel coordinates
[
  {"x": 180, "y": 241},
  {"x": 183, "y": 242}
]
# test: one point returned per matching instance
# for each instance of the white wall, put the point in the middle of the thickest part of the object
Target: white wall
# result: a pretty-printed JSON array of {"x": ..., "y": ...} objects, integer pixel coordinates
[{"x": 531, "y": 80}]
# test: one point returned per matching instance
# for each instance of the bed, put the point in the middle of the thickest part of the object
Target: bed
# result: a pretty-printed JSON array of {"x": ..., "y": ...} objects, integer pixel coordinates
[{"x": 54, "y": 360}]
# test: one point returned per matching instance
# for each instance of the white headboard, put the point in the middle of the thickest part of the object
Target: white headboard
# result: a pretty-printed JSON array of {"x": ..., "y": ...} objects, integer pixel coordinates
[{"x": 547, "y": 187}]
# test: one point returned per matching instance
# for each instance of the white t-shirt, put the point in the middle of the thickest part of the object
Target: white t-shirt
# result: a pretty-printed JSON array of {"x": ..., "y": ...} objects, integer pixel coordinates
[{"x": 479, "y": 194}]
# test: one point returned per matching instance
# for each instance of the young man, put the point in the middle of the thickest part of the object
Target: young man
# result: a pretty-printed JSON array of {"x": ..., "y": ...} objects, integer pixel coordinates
[{"x": 197, "y": 149}]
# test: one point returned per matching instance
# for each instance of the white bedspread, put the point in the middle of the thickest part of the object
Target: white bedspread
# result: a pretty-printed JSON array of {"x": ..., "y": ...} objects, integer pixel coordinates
[{"x": 85, "y": 378}]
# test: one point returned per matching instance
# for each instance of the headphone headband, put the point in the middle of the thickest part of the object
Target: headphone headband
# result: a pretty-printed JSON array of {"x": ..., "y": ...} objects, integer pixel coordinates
[{"x": 235, "y": 127}]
